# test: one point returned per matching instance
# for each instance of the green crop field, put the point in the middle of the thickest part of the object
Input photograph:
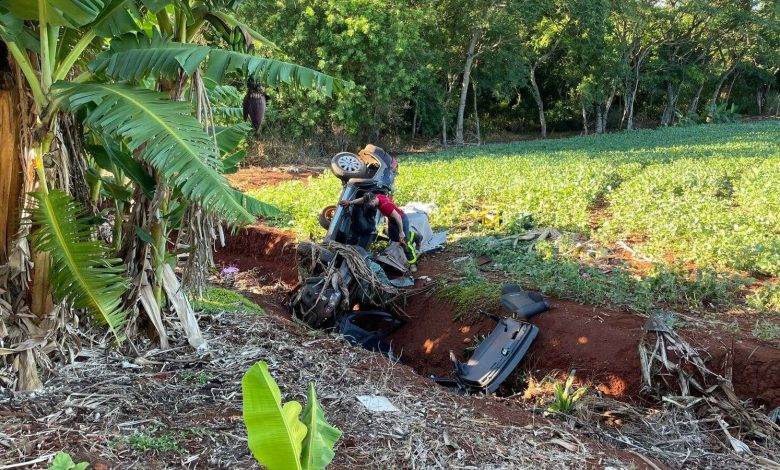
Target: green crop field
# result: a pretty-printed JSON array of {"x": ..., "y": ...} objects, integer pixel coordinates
[{"x": 700, "y": 204}]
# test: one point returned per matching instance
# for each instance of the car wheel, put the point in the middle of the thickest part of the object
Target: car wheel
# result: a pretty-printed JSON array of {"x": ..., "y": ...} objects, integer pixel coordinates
[
  {"x": 326, "y": 216},
  {"x": 347, "y": 165}
]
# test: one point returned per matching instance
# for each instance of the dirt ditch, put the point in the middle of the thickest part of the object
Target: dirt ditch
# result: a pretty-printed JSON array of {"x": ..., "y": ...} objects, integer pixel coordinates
[{"x": 601, "y": 344}]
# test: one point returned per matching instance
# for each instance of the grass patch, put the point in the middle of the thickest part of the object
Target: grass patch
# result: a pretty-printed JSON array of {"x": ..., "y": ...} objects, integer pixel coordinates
[
  {"x": 217, "y": 300},
  {"x": 149, "y": 441},
  {"x": 766, "y": 330},
  {"x": 471, "y": 292},
  {"x": 199, "y": 378},
  {"x": 766, "y": 298},
  {"x": 663, "y": 287}
]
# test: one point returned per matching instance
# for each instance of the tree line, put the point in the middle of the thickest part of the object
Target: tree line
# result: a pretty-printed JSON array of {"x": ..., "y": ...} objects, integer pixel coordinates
[{"x": 455, "y": 70}]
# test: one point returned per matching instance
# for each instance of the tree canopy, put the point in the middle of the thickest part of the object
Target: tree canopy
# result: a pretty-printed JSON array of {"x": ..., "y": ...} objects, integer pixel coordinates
[{"x": 558, "y": 64}]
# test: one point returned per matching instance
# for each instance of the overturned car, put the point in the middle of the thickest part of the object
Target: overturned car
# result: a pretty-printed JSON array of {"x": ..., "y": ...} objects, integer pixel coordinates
[
  {"x": 341, "y": 273},
  {"x": 361, "y": 293}
]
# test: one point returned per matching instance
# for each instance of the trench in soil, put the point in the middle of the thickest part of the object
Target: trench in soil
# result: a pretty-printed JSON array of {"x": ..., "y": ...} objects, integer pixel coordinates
[{"x": 601, "y": 344}]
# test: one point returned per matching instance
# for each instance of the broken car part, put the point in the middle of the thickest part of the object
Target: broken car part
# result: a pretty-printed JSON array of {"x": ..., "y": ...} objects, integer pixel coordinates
[
  {"x": 496, "y": 357},
  {"x": 368, "y": 329},
  {"x": 523, "y": 303}
]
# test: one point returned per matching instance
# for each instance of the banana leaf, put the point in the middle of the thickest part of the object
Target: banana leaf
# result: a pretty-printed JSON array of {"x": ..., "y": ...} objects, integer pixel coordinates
[{"x": 274, "y": 431}]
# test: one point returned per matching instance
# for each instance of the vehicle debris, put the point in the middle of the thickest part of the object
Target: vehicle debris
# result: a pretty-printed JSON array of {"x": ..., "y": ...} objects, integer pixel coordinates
[
  {"x": 522, "y": 303},
  {"x": 496, "y": 357},
  {"x": 377, "y": 403},
  {"x": 499, "y": 354},
  {"x": 369, "y": 329}
]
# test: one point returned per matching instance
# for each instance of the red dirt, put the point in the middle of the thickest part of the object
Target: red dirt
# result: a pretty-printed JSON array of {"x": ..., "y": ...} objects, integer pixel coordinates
[
  {"x": 257, "y": 177},
  {"x": 754, "y": 364},
  {"x": 270, "y": 250},
  {"x": 601, "y": 344}
]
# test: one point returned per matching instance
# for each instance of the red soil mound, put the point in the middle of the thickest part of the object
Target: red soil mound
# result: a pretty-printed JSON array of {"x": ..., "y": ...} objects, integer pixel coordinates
[{"x": 269, "y": 250}]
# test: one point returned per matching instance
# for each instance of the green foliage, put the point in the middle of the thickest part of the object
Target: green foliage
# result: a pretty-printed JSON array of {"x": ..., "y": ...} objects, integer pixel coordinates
[
  {"x": 63, "y": 461},
  {"x": 217, "y": 300},
  {"x": 470, "y": 293},
  {"x": 135, "y": 56},
  {"x": 766, "y": 298},
  {"x": 166, "y": 136},
  {"x": 56, "y": 12},
  {"x": 82, "y": 269},
  {"x": 199, "y": 378},
  {"x": 766, "y": 330},
  {"x": 706, "y": 207},
  {"x": 321, "y": 437},
  {"x": 407, "y": 62},
  {"x": 144, "y": 145},
  {"x": 725, "y": 113},
  {"x": 150, "y": 440},
  {"x": 566, "y": 277},
  {"x": 277, "y": 437},
  {"x": 378, "y": 45},
  {"x": 565, "y": 396}
]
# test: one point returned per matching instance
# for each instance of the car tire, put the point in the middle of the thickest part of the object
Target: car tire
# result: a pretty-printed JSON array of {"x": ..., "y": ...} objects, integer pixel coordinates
[
  {"x": 326, "y": 215},
  {"x": 347, "y": 165}
]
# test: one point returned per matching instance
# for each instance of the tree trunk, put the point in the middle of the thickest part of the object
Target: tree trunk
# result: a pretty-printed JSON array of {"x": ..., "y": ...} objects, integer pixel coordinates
[
  {"x": 464, "y": 89},
  {"x": 693, "y": 108},
  {"x": 777, "y": 108},
  {"x": 445, "y": 109},
  {"x": 444, "y": 129},
  {"x": 718, "y": 86},
  {"x": 476, "y": 112},
  {"x": 671, "y": 103},
  {"x": 628, "y": 109},
  {"x": 760, "y": 99},
  {"x": 630, "y": 100},
  {"x": 584, "y": 118},
  {"x": 538, "y": 98},
  {"x": 10, "y": 173},
  {"x": 728, "y": 93},
  {"x": 632, "y": 89},
  {"x": 602, "y": 125},
  {"x": 10, "y": 187},
  {"x": 414, "y": 119},
  {"x": 599, "y": 122}
]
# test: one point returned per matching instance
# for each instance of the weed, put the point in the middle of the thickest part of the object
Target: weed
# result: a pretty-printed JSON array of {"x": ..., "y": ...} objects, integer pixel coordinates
[
  {"x": 673, "y": 321},
  {"x": 731, "y": 327},
  {"x": 565, "y": 397},
  {"x": 200, "y": 378},
  {"x": 147, "y": 440},
  {"x": 471, "y": 293},
  {"x": 766, "y": 330},
  {"x": 766, "y": 298},
  {"x": 63, "y": 461},
  {"x": 217, "y": 300}
]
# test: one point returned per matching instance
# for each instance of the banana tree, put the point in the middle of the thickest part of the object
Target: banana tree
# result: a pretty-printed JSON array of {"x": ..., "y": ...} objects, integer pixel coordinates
[{"x": 105, "y": 62}]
